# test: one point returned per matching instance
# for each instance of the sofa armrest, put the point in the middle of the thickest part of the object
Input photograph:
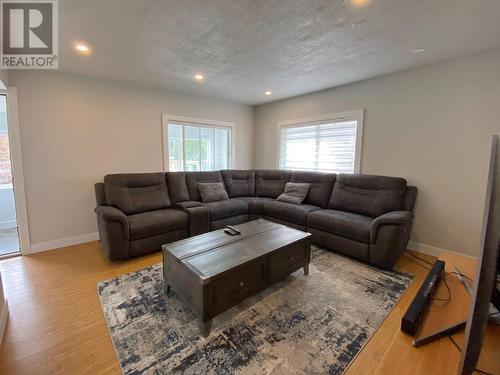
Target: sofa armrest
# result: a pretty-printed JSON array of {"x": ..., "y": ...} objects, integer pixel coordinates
[
  {"x": 111, "y": 213},
  {"x": 113, "y": 232},
  {"x": 390, "y": 218},
  {"x": 199, "y": 216},
  {"x": 108, "y": 213},
  {"x": 187, "y": 204}
]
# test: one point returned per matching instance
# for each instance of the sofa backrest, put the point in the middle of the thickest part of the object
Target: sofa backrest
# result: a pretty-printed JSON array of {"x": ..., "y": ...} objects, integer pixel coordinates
[
  {"x": 409, "y": 198},
  {"x": 177, "y": 187},
  {"x": 136, "y": 192},
  {"x": 239, "y": 183},
  {"x": 100, "y": 194},
  {"x": 321, "y": 186},
  {"x": 193, "y": 178},
  {"x": 270, "y": 183},
  {"x": 367, "y": 195}
]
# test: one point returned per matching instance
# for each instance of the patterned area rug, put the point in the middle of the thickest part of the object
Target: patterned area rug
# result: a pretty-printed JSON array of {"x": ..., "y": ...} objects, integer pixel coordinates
[{"x": 305, "y": 324}]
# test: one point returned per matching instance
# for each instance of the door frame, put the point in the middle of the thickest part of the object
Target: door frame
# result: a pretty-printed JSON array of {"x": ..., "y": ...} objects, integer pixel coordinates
[{"x": 17, "y": 169}]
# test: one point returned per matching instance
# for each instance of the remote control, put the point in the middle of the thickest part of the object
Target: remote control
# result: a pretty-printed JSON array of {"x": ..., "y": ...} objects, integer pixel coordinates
[
  {"x": 230, "y": 232},
  {"x": 233, "y": 229}
]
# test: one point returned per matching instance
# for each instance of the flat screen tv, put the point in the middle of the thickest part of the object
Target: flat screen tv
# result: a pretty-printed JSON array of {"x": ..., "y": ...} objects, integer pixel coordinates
[{"x": 486, "y": 283}]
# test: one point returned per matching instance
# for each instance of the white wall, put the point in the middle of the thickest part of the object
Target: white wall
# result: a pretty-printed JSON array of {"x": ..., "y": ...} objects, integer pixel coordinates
[
  {"x": 75, "y": 129},
  {"x": 431, "y": 125}
]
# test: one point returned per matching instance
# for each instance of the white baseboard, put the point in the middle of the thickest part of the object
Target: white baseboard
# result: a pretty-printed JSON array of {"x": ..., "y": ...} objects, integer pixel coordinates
[
  {"x": 4, "y": 313},
  {"x": 8, "y": 224},
  {"x": 63, "y": 242},
  {"x": 432, "y": 250},
  {"x": 89, "y": 237}
]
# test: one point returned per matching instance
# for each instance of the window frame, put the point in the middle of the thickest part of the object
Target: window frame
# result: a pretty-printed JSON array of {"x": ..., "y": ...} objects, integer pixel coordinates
[
  {"x": 194, "y": 121},
  {"x": 355, "y": 115}
]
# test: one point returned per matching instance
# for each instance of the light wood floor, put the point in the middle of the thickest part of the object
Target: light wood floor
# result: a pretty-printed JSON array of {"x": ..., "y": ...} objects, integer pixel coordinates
[{"x": 56, "y": 324}]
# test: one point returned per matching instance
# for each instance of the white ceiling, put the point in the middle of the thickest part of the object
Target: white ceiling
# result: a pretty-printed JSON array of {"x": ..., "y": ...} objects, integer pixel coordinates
[{"x": 244, "y": 47}]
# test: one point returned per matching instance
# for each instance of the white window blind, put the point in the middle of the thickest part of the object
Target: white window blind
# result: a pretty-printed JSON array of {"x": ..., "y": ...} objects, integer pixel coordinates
[
  {"x": 327, "y": 146},
  {"x": 198, "y": 147}
]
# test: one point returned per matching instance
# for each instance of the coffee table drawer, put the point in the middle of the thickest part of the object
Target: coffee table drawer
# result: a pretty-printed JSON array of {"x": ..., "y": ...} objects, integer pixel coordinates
[
  {"x": 234, "y": 287},
  {"x": 288, "y": 261}
]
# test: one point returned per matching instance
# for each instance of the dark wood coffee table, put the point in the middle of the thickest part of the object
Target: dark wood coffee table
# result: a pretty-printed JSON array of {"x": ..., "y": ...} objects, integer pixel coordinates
[{"x": 214, "y": 271}]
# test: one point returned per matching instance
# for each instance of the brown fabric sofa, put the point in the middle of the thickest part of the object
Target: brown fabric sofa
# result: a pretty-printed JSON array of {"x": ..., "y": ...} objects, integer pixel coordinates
[{"x": 366, "y": 217}]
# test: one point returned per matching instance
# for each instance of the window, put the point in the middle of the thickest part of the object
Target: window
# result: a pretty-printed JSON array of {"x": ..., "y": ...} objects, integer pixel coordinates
[
  {"x": 197, "y": 145},
  {"x": 327, "y": 144}
]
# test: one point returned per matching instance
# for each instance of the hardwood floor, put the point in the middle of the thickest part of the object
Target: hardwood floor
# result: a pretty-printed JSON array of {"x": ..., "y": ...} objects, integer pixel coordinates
[
  {"x": 55, "y": 321},
  {"x": 56, "y": 324}
]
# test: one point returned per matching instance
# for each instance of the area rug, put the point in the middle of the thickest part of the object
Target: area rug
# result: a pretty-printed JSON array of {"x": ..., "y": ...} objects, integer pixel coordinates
[{"x": 312, "y": 324}]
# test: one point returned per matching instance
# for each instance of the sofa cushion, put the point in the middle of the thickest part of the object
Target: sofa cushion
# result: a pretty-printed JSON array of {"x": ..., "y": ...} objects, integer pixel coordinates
[
  {"x": 138, "y": 199},
  {"x": 193, "y": 178},
  {"x": 270, "y": 183},
  {"x": 294, "y": 193},
  {"x": 256, "y": 204},
  {"x": 321, "y": 186},
  {"x": 239, "y": 183},
  {"x": 367, "y": 195},
  {"x": 341, "y": 223},
  {"x": 155, "y": 222},
  {"x": 294, "y": 213},
  {"x": 230, "y": 207},
  {"x": 177, "y": 187},
  {"x": 212, "y": 191}
]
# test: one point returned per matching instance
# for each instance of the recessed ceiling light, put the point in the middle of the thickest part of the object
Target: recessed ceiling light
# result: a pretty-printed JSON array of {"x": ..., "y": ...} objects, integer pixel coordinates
[
  {"x": 199, "y": 77},
  {"x": 359, "y": 3},
  {"x": 82, "y": 48},
  {"x": 268, "y": 92},
  {"x": 419, "y": 50}
]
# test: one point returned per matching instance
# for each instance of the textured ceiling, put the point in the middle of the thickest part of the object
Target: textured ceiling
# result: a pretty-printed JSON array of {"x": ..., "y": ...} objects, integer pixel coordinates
[{"x": 244, "y": 47}]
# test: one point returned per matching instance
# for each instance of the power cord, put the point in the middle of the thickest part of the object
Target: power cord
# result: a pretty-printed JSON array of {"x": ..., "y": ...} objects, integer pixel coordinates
[
  {"x": 448, "y": 298},
  {"x": 420, "y": 258},
  {"x": 460, "y": 350},
  {"x": 461, "y": 274},
  {"x": 417, "y": 259},
  {"x": 414, "y": 260}
]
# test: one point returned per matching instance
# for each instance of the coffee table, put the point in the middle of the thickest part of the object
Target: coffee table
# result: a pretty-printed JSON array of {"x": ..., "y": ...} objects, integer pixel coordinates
[{"x": 214, "y": 271}]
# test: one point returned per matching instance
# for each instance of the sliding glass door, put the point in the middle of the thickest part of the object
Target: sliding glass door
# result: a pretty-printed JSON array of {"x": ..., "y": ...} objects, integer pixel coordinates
[
  {"x": 193, "y": 147},
  {"x": 9, "y": 238}
]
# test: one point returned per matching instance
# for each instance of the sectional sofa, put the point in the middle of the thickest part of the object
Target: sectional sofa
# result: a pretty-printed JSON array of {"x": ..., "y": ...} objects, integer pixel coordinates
[{"x": 365, "y": 217}]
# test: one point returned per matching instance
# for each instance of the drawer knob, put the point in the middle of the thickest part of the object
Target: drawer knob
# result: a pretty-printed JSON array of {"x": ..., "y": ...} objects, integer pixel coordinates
[{"x": 242, "y": 284}]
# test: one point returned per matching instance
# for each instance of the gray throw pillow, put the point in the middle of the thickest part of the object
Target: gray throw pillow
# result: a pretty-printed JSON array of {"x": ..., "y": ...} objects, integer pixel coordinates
[
  {"x": 294, "y": 192},
  {"x": 212, "y": 191}
]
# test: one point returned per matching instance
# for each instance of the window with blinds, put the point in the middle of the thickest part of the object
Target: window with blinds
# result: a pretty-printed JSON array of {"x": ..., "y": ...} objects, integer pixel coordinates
[
  {"x": 326, "y": 146},
  {"x": 198, "y": 147}
]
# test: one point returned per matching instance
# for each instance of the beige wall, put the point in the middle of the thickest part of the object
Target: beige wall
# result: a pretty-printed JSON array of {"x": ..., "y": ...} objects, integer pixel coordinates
[
  {"x": 431, "y": 125},
  {"x": 75, "y": 129}
]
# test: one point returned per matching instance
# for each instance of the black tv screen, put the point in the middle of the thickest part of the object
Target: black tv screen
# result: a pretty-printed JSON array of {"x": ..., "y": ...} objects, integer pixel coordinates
[{"x": 485, "y": 285}]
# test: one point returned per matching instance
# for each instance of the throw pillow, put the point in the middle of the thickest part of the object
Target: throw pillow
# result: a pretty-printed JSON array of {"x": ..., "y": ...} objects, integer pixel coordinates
[
  {"x": 212, "y": 191},
  {"x": 294, "y": 193}
]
